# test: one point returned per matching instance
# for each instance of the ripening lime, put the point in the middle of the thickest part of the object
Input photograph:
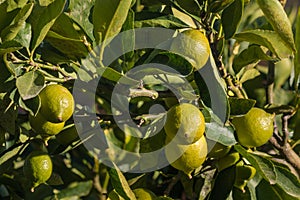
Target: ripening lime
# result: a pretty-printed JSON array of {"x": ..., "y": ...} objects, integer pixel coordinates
[
  {"x": 243, "y": 173},
  {"x": 192, "y": 155},
  {"x": 37, "y": 168},
  {"x": 255, "y": 128},
  {"x": 193, "y": 46},
  {"x": 144, "y": 194},
  {"x": 186, "y": 122},
  {"x": 57, "y": 103}
]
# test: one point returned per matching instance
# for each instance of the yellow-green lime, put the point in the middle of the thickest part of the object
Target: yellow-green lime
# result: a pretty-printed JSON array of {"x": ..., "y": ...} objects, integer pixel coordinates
[
  {"x": 243, "y": 173},
  {"x": 193, "y": 46},
  {"x": 37, "y": 168},
  {"x": 186, "y": 122},
  {"x": 57, "y": 103},
  {"x": 216, "y": 149},
  {"x": 228, "y": 161},
  {"x": 255, "y": 128},
  {"x": 192, "y": 155}
]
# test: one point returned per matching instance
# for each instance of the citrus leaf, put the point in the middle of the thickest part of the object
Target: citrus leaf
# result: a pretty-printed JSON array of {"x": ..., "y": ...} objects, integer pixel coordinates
[
  {"x": 7, "y": 158},
  {"x": 12, "y": 4},
  {"x": 149, "y": 19},
  {"x": 240, "y": 106},
  {"x": 221, "y": 134},
  {"x": 8, "y": 114},
  {"x": 231, "y": 17},
  {"x": 74, "y": 190},
  {"x": 41, "y": 20},
  {"x": 249, "y": 74},
  {"x": 10, "y": 46},
  {"x": 11, "y": 31},
  {"x": 120, "y": 184},
  {"x": 30, "y": 84},
  {"x": 24, "y": 35},
  {"x": 288, "y": 182},
  {"x": 263, "y": 165},
  {"x": 31, "y": 105},
  {"x": 108, "y": 18},
  {"x": 297, "y": 56},
  {"x": 251, "y": 55},
  {"x": 79, "y": 11},
  {"x": 269, "y": 39},
  {"x": 238, "y": 194},
  {"x": 223, "y": 184},
  {"x": 277, "y": 17}
]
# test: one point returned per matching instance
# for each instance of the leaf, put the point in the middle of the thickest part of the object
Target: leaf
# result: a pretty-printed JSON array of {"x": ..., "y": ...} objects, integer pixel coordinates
[
  {"x": 262, "y": 165},
  {"x": 79, "y": 11},
  {"x": 74, "y": 190},
  {"x": 251, "y": 55},
  {"x": 219, "y": 5},
  {"x": 30, "y": 84},
  {"x": 297, "y": 56},
  {"x": 11, "y": 31},
  {"x": 221, "y": 134},
  {"x": 249, "y": 74},
  {"x": 150, "y": 19},
  {"x": 238, "y": 194},
  {"x": 31, "y": 105},
  {"x": 108, "y": 18},
  {"x": 14, "y": 4},
  {"x": 269, "y": 39},
  {"x": 120, "y": 184},
  {"x": 288, "y": 182},
  {"x": 240, "y": 106},
  {"x": 24, "y": 35},
  {"x": 8, "y": 114},
  {"x": 266, "y": 191},
  {"x": 9, "y": 46},
  {"x": 277, "y": 17},
  {"x": 231, "y": 17},
  {"x": 41, "y": 20},
  {"x": 5, "y": 16},
  {"x": 7, "y": 158},
  {"x": 223, "y": 184},
  {"x": 66, "y": 39},
  {"x": 212, "y": 89}
]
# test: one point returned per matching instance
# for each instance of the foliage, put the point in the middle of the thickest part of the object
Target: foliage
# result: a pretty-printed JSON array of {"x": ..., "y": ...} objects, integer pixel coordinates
[{"x": 69, "y": 41}]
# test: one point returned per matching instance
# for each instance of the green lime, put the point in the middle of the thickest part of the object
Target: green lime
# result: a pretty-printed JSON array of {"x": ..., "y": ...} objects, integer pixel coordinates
[
  {"x": 186, "y": 122},
  {"x": 192, "y": 155},
  {"x": 144, "y": 194},
  {"x": 57, "y": 103},
  {"x": 228, "y": 161},
  {"x": 216, "y": 149},
  {"x": 37, "y": 168},
  {"x": 255, "y": 128},
  {"x": 193, "y": 46}
]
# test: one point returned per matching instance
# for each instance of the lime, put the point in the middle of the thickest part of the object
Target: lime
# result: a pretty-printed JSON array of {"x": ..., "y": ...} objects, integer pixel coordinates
[
  {"x": 192, "y": 155},
  {"x": 255, "y": 128},
  {"x": 193, "y": 46},
  {"x": 37, "y": 168},
  {"x": 243, "y": 173},
  {"x": 228, "y": 161},
  {"x": 57, "y": 103},
  {"x": 186, "y": 122},
  {"x": 216, "y": 149}
]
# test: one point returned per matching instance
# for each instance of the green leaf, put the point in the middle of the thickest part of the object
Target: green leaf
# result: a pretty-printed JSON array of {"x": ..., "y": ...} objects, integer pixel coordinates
[
  {"x": 218, "y": 5},
  {"x": 11, "y": 31},
  {"x": 150, "y": 19},
  {"x": 219, "y": 133},
  {"x": 238, "y": 194},
  {"x": 240, "y": 106},
  {"x": 251, "y": 55},
  {"x": 24, "y": 35},
  {"x": 120, "y": 184},
  {"x": 297, "y": 56},
  {"x": 66, "y": 39},
  {"x": 5, "y": 16},
  {"x": 288, "y": 182},
  {"x": 30, "y": 84},
  {"x": 277, "y": 17},
  {"x": 266, "y": 191},
  {"x": 269, "y": 39},
  {"x": 262, "y": 165},
  {"x": 249, "y": 74},
  {"x": 8, "y": 114},
  {"x": 14, "y": 4},
  {"x": 79, "y": 11},
  {"x": 74, "y": 190},
  {"x": 108, "y": 18},
  {"x": 7, "y": 158},
  {"x": 231, "y": 17},
  {"x": 9, "y": 46},
  {"x": 223, "y": 184},
  {"x": 41, "y": 20},
  {"x": 31, "y": 105}
]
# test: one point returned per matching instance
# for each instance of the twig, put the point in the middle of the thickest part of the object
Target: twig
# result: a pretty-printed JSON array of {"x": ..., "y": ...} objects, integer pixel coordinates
[{"x": 173, "y": 182}]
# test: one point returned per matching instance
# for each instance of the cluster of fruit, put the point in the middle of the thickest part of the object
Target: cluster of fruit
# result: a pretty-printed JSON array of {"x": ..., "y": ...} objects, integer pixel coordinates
[{"x": 57, "y": 106}]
